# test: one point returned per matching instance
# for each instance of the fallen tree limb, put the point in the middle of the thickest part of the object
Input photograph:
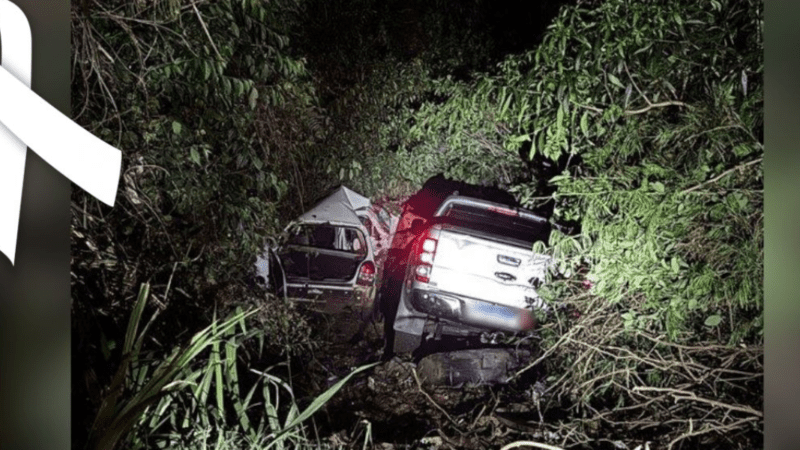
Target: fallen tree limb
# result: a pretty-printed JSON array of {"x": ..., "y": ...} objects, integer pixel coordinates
[
  {"x": 708, "y": 429},
  {"x": 686, "y": 395},
  {"x": 530, "y": 444}
]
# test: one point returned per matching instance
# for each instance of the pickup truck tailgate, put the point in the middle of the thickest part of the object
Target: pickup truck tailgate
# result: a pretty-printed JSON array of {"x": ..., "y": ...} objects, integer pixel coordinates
[{"x": 485, "y": 269}]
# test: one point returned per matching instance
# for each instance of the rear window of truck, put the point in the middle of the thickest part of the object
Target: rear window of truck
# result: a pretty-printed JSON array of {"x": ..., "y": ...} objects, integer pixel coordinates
[{"x": 497, "y": 221}]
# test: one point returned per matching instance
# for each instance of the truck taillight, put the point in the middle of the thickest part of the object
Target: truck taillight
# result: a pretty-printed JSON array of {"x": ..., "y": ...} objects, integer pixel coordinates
[
  {"x": 425, "y": 254},
  {"x": 366, "y": 276}
]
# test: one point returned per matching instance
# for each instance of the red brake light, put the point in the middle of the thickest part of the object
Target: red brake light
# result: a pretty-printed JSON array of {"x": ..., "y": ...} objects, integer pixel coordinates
[
  {"x": 424, "y": 253},
  {"x": 366, "y": 275}
]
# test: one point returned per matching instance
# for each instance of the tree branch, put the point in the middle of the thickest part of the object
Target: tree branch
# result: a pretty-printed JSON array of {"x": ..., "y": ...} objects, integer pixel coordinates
[
  {"x": 530, "y": 444},
  {"x": 590, "y": 108},
  {"x": 631, "y": 112},
  {"x": 723, "y": 174},
  {"x": 634, "y": 84},
  {"x": 203, "y": 24},
  {"x": 687, "y": 395},
  {"x": 705, "y": 430},
  {"x": 430, "y": 399},
  {"x": 654, "y": 105}
]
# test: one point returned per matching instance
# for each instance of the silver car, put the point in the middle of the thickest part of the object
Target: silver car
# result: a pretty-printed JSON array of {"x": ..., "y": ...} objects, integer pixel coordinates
[{"x": 329, "y": 253}]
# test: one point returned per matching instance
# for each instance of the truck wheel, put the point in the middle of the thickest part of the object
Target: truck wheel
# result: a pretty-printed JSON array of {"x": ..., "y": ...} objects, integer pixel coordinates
[{"x": 406, "y": 342}]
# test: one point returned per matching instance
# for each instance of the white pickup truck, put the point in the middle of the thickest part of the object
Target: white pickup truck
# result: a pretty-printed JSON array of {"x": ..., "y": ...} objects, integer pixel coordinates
[{"x": 471, "y": 271}]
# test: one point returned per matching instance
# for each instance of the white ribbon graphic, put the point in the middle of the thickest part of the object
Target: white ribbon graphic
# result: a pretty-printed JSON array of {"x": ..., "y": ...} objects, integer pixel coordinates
[{"x": 25, "y": 118}]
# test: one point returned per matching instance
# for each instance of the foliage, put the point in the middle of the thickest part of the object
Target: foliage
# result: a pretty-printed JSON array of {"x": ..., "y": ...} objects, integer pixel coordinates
[
  {"x": 185, "y": 399},
  {"x": 650, "y": 118},
  {"x": 623, "y": 386},
  {"x": 391, "y": 71},
  {"x": 147, "y": 383},
  {"x": 668, "y": 189},
  {"x": 653, "y": 127},
  {"x": 638, "y": 122},
  {"x": 214, "y": 116}
]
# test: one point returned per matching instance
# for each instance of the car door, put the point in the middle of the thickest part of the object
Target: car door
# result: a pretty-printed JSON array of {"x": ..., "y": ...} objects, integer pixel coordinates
[
  {"x": 293, "y": 254},
  {"x": 322, "y": 260}
]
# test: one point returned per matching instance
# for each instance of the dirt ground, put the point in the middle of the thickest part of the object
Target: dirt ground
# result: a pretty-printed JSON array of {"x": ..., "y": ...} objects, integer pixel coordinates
[{"x": 391, "y": 406}]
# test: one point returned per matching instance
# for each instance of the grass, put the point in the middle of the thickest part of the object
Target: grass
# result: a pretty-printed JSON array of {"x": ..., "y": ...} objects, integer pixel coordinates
[{"x": 192, "y": 396}]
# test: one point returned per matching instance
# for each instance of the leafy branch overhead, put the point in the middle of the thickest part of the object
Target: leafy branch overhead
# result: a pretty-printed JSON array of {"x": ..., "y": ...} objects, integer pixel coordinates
[
  {"x": 213, "y": 113},
  {"x": 652, "y": 128}
]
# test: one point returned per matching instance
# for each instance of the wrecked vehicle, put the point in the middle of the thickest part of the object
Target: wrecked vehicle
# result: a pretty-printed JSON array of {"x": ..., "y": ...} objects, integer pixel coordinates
[
  {"x": 331, "y": 252},
  {"x": 461, "y": 271},
  {"x": 471, "y": 270}
]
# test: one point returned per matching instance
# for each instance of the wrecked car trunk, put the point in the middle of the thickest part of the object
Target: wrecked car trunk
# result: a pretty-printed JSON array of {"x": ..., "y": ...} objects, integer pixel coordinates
[{"x": 331, "y": 252}]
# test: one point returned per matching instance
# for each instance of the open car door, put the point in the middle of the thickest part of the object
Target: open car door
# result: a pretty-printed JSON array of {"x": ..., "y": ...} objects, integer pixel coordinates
[{"x": 322, "y": 260}]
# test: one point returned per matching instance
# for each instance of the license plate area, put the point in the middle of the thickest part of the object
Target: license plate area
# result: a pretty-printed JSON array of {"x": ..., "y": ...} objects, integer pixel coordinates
[{"x": 499, "y": 317}]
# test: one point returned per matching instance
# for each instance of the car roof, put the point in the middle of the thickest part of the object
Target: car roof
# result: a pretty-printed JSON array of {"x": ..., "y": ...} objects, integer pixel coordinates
[{"x": 338, "y": 208}]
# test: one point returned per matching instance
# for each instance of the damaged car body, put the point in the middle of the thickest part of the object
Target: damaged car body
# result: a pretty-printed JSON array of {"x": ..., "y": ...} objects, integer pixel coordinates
[
  {"x": 471, "y": 271},
  {"x": 330, "y": 252},
  {"x": 463, "y": 272}
]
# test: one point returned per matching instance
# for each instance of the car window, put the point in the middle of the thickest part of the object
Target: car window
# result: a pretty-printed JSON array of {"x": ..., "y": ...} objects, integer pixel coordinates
[
  {"x": 299, "y": 236},
  {"x": 349, "y": 240},
  {"x": 329, "y": 237},
  {"x": 497, "y": 223}
]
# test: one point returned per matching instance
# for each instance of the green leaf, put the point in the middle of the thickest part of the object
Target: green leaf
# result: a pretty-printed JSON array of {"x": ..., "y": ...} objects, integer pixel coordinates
[
  {"x": 643, "y": 49},
  {"x": 559, "y": 117},
  {"x": 206, "y": 70},
  {"x": 615, "y": 81},
  {"x": 541, "y": 142},
  {"x": 533, "y": 149},
  {"x": 320, "y": 401},
  {"x": 251, "y": 99},
  {"x": 714, "y": 320},
  {"x": 176, "y": 127},
  {"x": 520, "y": 138},
  {"x": 194, "y": 156},
  {"x": 585, "y": 123},
  {"x": 658, "y": 186},
  {"x": 741, "y": 200}
]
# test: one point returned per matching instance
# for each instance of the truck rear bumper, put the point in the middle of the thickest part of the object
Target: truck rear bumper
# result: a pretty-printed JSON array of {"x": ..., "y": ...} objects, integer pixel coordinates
[
  {"x": 470, "y": 311},
  {"x": 417, "y": 306}
]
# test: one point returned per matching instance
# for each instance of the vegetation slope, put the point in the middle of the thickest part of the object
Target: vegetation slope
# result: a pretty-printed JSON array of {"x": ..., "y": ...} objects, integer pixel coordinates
[{"x": 639, "y": 122}]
